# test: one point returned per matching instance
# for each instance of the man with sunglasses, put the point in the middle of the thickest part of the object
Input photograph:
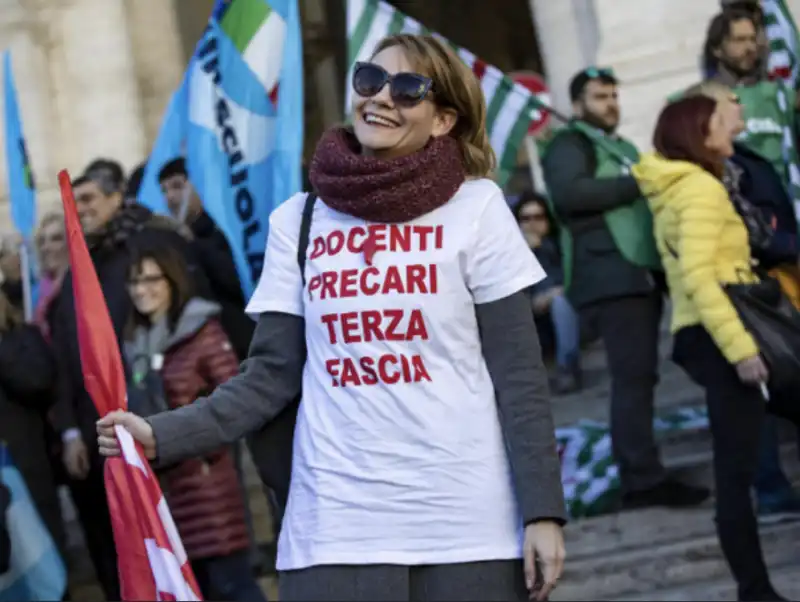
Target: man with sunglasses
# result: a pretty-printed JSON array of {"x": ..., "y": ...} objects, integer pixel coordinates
[{"x": 612, "y": 276}]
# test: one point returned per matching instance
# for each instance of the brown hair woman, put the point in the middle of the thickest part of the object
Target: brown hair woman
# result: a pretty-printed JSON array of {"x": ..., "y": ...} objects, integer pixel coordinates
[
  {"x": 704, "y": 245},
  {"x": 424, "y": 464},
  {"x": 176, "y": 351}
]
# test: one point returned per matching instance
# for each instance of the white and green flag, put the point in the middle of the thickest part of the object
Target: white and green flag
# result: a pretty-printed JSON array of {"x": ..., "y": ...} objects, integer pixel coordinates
[
  {"x": 511, "y": 107},
  {"x": 783, "y": 41}
]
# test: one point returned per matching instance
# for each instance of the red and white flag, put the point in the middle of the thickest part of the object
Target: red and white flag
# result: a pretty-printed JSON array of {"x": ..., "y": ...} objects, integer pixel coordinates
[{"x": 151, "y": 559}]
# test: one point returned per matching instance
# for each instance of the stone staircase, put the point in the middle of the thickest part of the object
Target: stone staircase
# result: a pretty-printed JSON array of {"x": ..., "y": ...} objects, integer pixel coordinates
[
  {"x": 652, "y": 554},
  {"x": 659, "y": 554}
]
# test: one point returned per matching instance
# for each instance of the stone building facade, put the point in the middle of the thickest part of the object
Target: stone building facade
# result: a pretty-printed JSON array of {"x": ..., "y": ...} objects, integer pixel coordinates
[{"x": 94, "y": 76}]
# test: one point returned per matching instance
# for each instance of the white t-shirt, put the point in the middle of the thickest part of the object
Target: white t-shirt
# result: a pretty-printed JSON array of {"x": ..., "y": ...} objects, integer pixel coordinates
[{"x": 398, "y": 453}]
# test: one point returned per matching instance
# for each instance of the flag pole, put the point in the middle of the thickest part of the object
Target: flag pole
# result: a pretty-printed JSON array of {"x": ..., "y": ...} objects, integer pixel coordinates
[
  {"x": 184, "y": 208},
  {"x": 535, "y": 165},
  {"x": 25, "y": 270}
]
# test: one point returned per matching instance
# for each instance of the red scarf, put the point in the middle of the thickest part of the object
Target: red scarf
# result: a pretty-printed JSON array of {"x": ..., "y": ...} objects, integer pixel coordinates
[{"x": 385, "y": 190}]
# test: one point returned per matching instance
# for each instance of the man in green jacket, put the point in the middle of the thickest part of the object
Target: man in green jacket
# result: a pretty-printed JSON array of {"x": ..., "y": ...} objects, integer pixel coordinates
[
  {"x": 736, "y": 54},
  {"x": 611, "y": 275}
]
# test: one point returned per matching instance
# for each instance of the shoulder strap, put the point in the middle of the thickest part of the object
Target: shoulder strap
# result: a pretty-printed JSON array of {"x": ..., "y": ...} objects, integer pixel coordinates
[{"x": 305, "y": 233}]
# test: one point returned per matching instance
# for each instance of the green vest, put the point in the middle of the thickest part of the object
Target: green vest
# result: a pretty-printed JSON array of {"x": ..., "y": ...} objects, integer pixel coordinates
[
  {"x": 768, "y": 124},
  {"x": 631, "y": 226}
]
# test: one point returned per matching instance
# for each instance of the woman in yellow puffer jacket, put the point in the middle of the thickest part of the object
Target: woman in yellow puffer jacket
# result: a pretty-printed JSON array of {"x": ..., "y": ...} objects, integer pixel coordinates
[{"x": 704, "y": 245}]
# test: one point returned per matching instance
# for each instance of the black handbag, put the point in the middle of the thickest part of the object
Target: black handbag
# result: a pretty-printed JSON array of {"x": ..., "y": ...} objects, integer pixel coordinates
[
  {"x": 771, "y": 319},
  {"x": 271, "y": 446},
  {"x": 774, "y": 323}
]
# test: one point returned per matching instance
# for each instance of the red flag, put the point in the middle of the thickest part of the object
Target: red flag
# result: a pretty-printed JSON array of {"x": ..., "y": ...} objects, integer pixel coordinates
[{"x": 151, "y": 560}]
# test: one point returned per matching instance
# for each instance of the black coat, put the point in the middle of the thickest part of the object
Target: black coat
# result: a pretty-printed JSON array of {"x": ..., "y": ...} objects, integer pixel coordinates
[
  {"x": 599, "y": 271},
  {"x": 214, "y": 255},
  {"x": 111, "y": 253},
  {"x": 27, "y": 374},
  {"x": 764, "y": 188}
]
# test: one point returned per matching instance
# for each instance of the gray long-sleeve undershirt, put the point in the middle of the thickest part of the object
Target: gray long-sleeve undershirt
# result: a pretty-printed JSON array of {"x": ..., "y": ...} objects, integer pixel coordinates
[{"x": 272, "y": 377}]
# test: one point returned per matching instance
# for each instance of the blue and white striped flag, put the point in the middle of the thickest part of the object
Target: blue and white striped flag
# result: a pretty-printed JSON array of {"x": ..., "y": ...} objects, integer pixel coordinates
[{"x": 37, "y": 571}]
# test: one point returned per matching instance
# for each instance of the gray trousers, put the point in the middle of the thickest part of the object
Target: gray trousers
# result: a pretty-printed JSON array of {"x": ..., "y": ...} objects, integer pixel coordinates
[
  {"x": 629, "y": 327},
  {"x": 490, "y": 581}
]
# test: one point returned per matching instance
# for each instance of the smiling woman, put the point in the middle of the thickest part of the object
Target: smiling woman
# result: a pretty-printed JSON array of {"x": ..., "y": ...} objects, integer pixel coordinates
[
  {"x": 424, "y": 463},
  {"x": 390, "y": 118}
]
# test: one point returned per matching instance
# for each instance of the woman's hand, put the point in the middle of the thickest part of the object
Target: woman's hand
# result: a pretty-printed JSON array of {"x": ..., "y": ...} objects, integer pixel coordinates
[
  {"x": 753, "y": 370},
  {"x": 543, "y": 301},
  {"x": 138, "y": 427},
  {"x": 544, "y": 540},
  {"x": 76, "y": 458}
]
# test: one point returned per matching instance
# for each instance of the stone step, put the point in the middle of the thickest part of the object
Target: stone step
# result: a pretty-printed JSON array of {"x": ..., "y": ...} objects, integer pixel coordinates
[
  {"x": 785, "y": 579},
  {"x": 632, "y": 553},
  {"x": 671, "y": 565}
]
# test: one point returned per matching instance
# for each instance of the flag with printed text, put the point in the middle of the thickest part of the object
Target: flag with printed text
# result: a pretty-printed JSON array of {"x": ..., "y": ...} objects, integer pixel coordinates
[
  {"x": 238, "y": 121},
  {"x": 510, "y": 106},
  {"x": 245, "y": 135},
  {"x": 151, "y": 559}
]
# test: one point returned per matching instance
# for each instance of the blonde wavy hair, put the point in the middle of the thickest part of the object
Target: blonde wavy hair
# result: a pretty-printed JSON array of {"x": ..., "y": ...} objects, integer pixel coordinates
[
  {"x": 49, "y": 218},
  {"x": 710, "y": 89},
  {"x": 455, "y": 87}
]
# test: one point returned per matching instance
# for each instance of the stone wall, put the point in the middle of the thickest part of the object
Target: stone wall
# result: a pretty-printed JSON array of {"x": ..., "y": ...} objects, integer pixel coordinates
[
  {"x": 93, "y": 78},
  {"x": 655, "y": 52}
]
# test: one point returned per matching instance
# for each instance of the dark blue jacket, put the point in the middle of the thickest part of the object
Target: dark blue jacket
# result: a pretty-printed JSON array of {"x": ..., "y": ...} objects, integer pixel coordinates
[
  {"x": 549, "y": 256},
  {"x": 5, "y": 541},
  {"x": 763, "y": 187}
]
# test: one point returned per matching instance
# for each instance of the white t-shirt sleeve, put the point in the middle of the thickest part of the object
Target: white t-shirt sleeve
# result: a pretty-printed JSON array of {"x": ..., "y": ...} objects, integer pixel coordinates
[
  {"x": 499, "y": 262},
  {"x": 280, "y": 288}
]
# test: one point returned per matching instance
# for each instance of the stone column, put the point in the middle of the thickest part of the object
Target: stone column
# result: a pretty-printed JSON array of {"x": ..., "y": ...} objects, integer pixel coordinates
[
  {"x": 325, "y": 76},
  {"x": 98, "y": 92},
  {"x": 568, "y": 42},
  {"x": 654, "y": 52},
  {"x": 158, "y": 57}
]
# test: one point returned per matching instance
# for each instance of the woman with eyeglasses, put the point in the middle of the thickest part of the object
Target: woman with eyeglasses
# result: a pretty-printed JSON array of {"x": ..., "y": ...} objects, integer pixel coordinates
[
  {"x": 176, "y": 351},
  {"x": 424, "y": 464}
]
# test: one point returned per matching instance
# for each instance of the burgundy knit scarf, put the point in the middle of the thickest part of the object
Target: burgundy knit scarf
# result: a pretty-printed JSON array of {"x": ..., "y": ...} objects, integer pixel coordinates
[{"x": 385, "y": 191}]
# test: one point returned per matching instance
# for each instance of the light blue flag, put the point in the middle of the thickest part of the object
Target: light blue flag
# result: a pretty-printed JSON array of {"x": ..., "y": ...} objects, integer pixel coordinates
[
  {"x": 37, "y": 571},
  {"x": 168, "y": 145},
  {"x": 245, "y": 132},
  {"x": 21, "y": 183},
  {"x": 21, "y": 186}
]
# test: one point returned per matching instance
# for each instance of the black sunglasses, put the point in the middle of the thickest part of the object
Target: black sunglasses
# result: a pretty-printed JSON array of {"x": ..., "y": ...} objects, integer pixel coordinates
[
  {"x": 406, "y": 89},
  {"x": 595, "y": 72}
]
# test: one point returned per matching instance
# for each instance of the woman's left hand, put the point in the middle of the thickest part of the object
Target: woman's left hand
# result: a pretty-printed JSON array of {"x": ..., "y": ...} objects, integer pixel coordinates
[{"x": 544, "y": 540}]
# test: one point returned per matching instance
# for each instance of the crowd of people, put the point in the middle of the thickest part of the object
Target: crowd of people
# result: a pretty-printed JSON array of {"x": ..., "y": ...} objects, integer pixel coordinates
[
  {"x": 423, "y": 463},
  {"x": 178, "y": 310}
]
